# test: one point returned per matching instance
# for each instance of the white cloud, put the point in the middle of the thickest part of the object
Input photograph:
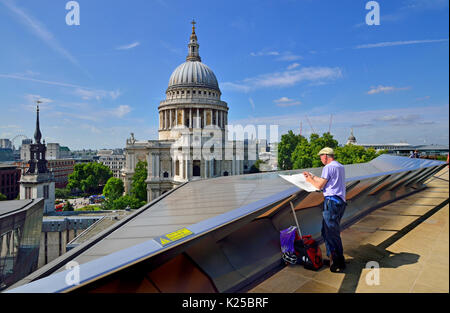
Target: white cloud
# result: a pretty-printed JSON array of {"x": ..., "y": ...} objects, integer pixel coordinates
[
  {"x": 286, "y": 102},
  {"x": 285, "y": 79},
  {"x": 121, "y": 111},
  {"x": 129, "y": 46},
  {"x": 27, "y": 73},
  {"x": 374, "y": 126},
  {"x": 39, "y": 29},
  {"x": 84, "y": 92},
  {"x": 98, "y": 94},
  {"x": 234, "y": 86},
  {"x": 385, "y": 89},
  {"x": 288, "y": 56},
  {"x": 426, "y": 4},
  {"x": 281, "y": 56},
  {"x": 423, "y": 98},
  {"x": 398, "y": 43},
  {"x": 293, "y": 65},
  {"x": 264, "y": 53},
  {"x": 21, "y": 77}
]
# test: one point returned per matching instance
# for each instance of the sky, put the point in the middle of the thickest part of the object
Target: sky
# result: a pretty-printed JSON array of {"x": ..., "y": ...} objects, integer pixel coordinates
[{"x": 309, "y": 63}]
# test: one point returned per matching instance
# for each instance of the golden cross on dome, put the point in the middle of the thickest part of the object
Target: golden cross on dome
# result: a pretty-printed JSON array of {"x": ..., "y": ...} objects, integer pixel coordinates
[{"x": 193, "y": 25}]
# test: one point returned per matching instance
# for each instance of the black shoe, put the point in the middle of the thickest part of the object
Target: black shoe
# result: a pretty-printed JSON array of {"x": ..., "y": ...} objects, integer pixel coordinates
[{"x": 339, "y": 265}]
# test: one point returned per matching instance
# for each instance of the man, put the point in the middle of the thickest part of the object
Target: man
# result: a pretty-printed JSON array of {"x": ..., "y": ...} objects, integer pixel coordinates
[{"x": 332, "y": 182}]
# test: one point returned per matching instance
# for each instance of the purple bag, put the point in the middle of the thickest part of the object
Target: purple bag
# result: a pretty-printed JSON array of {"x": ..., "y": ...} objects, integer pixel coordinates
[{"x": 287, "y": 238}]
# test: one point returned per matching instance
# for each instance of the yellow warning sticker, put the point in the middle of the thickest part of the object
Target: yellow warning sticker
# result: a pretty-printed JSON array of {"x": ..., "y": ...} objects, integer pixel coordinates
[
  {"x": 177, "y": 235},
  {"x": 164, "y": 241},
  {"x": 172, "y": 237}
]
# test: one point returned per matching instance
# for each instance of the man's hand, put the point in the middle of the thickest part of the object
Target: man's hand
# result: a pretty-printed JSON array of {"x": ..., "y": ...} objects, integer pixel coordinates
[
  {"x": 308, "y": 177},
  {"x": 317, "y": 182}
]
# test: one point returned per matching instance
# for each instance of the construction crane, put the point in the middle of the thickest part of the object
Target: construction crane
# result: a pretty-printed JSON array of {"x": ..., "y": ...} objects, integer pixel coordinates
[
  {"x": 310, "y": 125},
  {"x": 329, "y": 127}
]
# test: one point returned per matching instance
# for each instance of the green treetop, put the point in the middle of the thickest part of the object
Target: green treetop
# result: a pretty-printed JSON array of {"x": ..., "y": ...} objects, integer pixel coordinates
[
  {"x": 138, "y": 184},
  {"x": 89, "y": 177}
]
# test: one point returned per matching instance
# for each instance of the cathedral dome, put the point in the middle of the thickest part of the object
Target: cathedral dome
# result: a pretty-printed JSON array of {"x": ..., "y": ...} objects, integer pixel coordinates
[{"x": 193, "y": 74}]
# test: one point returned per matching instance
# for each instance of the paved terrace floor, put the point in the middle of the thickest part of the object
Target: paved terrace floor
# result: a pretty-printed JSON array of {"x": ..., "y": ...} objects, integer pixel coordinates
[{"x": 408, "y": 238}]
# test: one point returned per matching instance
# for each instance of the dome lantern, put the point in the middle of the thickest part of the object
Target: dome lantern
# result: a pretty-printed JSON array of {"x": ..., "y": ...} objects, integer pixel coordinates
[{"x": 193, "y": 46}]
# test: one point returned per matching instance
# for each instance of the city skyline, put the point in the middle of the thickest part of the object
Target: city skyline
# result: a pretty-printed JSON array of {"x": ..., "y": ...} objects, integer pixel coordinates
[{"x": 278, "y": 62}]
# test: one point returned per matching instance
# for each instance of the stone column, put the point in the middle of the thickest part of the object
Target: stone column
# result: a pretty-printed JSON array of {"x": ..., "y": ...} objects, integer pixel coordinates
[
  {"x": 170, "y": 119},
  {"x": 204, "y": 117},
  {"x": 153, "y": 160},
  {"x": 157, "y": 166},
  {"x": 190, "y": 118},
  {"x": 149, "y": 167},
  {"x": 165, "y": 119},
  {"x": 198, "y": 118},
  {"x": 217, "y": 117},
  {"x": 176, "y": 117},
  {"x": 206, "y": 169},
  {"x": 182, "y": 116}
]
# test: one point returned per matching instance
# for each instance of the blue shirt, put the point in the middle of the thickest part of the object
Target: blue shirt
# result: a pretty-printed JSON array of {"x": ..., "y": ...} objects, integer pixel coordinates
[{"x": 334, "y": 173}]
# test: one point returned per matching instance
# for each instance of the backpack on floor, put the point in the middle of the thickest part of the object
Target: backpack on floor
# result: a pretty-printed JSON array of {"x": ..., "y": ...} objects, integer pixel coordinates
[{"x": 308, "y": 253}]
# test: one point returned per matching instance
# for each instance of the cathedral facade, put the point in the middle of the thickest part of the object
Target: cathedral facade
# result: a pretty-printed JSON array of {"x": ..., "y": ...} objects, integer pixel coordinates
[{"x": 193, "y": 142}]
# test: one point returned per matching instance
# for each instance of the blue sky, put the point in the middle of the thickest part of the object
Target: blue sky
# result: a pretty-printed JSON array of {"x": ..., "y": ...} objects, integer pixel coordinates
[{"x": 277, "y": 62}]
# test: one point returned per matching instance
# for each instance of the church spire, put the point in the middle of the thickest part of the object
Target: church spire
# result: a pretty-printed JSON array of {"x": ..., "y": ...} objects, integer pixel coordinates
[
  {"x": 37, "y": 133},
  {"x": 193, "y": 46}
]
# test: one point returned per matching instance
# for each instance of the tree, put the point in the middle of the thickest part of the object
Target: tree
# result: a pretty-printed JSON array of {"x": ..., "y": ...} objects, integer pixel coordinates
[
  {"x": 305, "y": 152},
  {"x": 113, "y": 189},
  {"x": 62, "y": 193},
  {"x": 138, "y": 184},
  {"x": 89, "y": 177},
  {"x": 255, "y": 167},
  {"x": 123, "y": 202},
  {"x": 286, "y": 147},
  {"x": 2, "y": 197},
  {"x": 301, "y": 157},
  {"x": 317, "y": 143},
  {"x": 351, "y": 154}
]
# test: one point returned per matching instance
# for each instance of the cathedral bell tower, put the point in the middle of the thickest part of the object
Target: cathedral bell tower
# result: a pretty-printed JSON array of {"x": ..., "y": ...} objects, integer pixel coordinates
[{"x": 38, "y": 181}]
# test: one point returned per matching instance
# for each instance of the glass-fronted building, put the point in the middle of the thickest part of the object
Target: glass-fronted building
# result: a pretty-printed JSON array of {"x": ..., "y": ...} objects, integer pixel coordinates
[{"x": 20, "y": 232}]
